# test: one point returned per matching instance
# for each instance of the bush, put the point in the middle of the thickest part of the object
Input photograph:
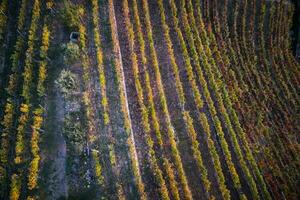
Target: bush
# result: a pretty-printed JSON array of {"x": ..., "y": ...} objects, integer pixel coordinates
[
  {"x": 70, "y": 15},
  {"x": 71, "y": 53},
  {"x": 67, "y": 82},
  {"x": 74, "y": 132}
]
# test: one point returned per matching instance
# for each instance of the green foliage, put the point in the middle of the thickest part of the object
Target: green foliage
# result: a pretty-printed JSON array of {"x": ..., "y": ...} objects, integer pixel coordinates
[
  {"x": 197, "y": 154},
  {"x": 163, "y": 103},
  {"x": 43, "y": 64},
  {"x": 7, "y": 124},
  {"x": 99, "y": 59},
  {"x": 74, "y": 132},
  {"x": 204, "y": 86},
  {"x": 67, "y": 82},
  {"x": 98, "y": 168},
  {"x": 71, "y": 53},
  {"x": 28, "y": 70},
  {"x": 215, "y": 157},
  {"x": 144, "y": 111},
  {"x": 132, "y": 150},
  {"x": 3, "y": 18},
  {"x": 71, "y": 15},
  {"x": 112, "y": 154},
  {"x": 34, "y": 164},
  {"x": 86, "y": 97},
  {"x": 15, "y": 56},
  {"x": 150, "y": 111},
  {"x": 20, "y": 142}
]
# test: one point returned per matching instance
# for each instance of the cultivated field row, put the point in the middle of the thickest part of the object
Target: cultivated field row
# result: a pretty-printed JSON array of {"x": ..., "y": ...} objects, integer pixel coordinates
[{"x": 166, "y": 99}]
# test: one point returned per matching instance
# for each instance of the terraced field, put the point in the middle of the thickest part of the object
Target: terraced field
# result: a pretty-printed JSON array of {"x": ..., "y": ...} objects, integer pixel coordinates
[{"x": 148, "y": 99}]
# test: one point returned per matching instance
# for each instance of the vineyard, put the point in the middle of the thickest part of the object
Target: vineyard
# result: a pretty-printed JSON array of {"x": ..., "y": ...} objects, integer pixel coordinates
[{"x": 149, "y": 99}]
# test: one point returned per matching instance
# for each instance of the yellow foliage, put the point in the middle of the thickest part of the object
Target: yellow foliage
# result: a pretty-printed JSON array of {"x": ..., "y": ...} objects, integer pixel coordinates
[
  {"x": 42, "y": 71},
  {"x": 33, "y": 173},
  {"x": 49, "y": 4},
  {"x": 15, "y": 187},
  {"x": 45, "y": 42},
  {"x": 24, "y": 108},
  {"x": 112, "y": 155},
  {"x": 98, "y": 168},
  {"x": 81, "y": 11},
  {"x": 17, "y": 160},
  {"x": 8, "y": 117}
]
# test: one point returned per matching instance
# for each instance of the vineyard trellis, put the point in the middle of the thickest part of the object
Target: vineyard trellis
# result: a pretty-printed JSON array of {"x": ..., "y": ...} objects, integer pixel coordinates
[{"x": 188, "y": 99}]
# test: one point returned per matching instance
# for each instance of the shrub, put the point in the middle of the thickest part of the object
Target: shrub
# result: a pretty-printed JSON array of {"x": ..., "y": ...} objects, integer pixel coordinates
[
  {"x": 71, "y": 53},
  {"x": 67, "y": 82},
  {"x": 74, "y": 132},
  {"x": 70, "y": 15}
]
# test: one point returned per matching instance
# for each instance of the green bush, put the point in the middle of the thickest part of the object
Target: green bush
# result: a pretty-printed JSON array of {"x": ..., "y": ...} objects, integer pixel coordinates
[
  {"x": 70, "y": 15},
  {"x": 67, "y": 82},
  {"x": 74, "y": 132},
  {"x": 71, "y": 53}
]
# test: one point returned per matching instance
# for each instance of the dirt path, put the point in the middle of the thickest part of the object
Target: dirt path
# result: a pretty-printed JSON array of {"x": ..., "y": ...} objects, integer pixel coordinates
[
  {"x": 55, "y": 163},
  {"x": 54, "y": 156},
  {"x": 53, "y": 179}
]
